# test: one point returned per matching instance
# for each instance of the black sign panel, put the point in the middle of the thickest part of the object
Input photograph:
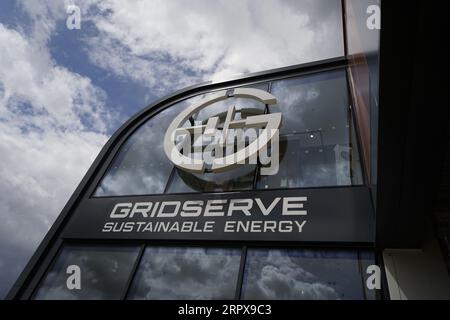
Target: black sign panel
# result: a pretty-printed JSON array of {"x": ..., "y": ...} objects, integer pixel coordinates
[{"x": 310, "y": 215}]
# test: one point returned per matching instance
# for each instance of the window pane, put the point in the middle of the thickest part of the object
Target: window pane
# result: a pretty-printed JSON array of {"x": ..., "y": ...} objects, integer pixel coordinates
[
  {"x": 104, "y": 272},
  {"x": 302, "y": 274},
  {"x": 247, "y": 106},
  {"x": 186, "y": 273},
  {"x": 141, "y": 166},
  {"x": 316, "y": 102},
  {"x": 318, "y": 143},
  {"x": 305, "y": 161},
  {"x": 244, "y": 107}
]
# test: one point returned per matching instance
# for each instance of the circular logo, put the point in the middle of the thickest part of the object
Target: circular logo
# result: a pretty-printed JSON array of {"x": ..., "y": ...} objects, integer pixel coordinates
[{"x": 178, "y": 138}]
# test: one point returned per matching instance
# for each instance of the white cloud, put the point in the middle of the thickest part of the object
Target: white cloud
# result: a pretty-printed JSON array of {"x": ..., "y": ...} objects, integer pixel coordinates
[
  {"x": 52, "y": 124},
  {"x": 173, "y": 43}
]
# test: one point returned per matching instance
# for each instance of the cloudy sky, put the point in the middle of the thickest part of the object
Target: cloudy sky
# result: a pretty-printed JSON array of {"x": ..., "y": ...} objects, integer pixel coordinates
[{"x": 64, "y": 92}]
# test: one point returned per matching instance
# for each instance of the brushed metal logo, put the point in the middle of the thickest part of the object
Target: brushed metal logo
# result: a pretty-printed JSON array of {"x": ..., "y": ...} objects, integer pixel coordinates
[{"x": 178, "y": 138}]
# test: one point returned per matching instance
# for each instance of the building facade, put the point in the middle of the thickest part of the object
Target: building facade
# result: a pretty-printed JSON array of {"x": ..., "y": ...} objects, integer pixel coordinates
[{"x": 140, "y": 226}]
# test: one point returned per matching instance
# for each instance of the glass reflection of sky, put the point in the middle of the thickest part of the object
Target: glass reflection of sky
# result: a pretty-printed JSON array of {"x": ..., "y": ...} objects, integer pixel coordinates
[
  {"x": 302, "y": 274},
  {"x": 141, "y": 166},
  {"x": 316, "y": 102},
  {"x": 209, "y": 273},
  {"x": 186, "y": 273},
  {"x": 104, "y": 273},
  {"x": 221, "y": 107},
  {"x": 317, "y": 144},
  {"x": 317, "y": 141}
]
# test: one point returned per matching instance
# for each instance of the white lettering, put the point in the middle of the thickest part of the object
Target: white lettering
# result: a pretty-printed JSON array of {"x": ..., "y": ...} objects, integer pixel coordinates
[
  {"x": 192, "y": 209},
  {"x": 142, "y": 208},
  {"x": 265, "y": 211},
  {"x": 210, "y": 210},
  {"x": 175, "y": 204},
  {"x": 123, "y": 213},
  {"x": 291, "y": 203},
  {"x": 248, "y": 204},
  {"x": 74, "y": 279}
]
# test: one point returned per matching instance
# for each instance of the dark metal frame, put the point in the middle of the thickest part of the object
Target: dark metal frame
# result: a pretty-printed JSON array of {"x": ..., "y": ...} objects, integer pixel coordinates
[{"x": 50, "y": 246}]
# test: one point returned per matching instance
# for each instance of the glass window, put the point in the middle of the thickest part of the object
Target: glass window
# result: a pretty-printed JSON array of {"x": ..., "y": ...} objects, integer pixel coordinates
[
  {"x": 244, "y": 107},
  {"x": 317, "y": 138},
  {"x": 186, "y": 273},
  {"x": 316, "y": 102},
  {"x": 104, "y": 272},
  {"x": 141, "y": 166},
  {"x": 318, "y": 145},
  {"x": 302, "y": 274},
  {"x": 306, "y": 162}
]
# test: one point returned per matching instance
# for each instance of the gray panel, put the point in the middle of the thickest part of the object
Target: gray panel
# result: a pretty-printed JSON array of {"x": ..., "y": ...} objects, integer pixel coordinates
[{"x": 332, "y": 215}]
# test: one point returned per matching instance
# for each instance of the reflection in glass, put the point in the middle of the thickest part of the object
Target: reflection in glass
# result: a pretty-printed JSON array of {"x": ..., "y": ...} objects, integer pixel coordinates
[
  {"x": 316, "y": 102},
  {"x": 244, "y": 107},
  {"x": 302, "y": 274},
  {"x": 305, "y": 161},
  {"x": 186, "y": 273},
  {"x": 104, "y": 272},
  {"x": 318, "y": 143},
  {"x": 141, "y": 166}
]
